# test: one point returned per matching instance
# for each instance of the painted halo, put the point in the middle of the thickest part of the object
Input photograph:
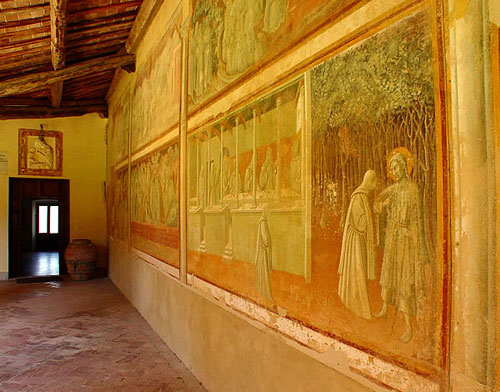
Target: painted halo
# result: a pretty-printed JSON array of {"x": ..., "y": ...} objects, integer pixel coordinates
[{"x": 409, "y": 161}]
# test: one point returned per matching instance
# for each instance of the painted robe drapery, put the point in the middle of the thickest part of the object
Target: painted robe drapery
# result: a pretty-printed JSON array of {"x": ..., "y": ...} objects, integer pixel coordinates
[
  {"x": 405, "y": 247},
  {"x": 263, "y": 260},
  {"x": 357, "y": 257}
]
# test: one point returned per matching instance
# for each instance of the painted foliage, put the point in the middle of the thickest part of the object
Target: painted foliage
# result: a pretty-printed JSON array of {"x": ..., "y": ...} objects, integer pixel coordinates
[
  {"x": 155, "y": 204},
  {"x": 322, "y": 198},
  {"x": 375, "y": 197},
  {"x": 156, "y": 98},
  {"x": 120, "y": 127},
  {"x": 229, "y": 38},
  {"x": 119, "y": 202}
]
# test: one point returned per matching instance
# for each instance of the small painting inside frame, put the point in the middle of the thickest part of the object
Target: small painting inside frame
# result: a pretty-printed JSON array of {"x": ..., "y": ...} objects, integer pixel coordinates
[{"x": 40, "y": 152}]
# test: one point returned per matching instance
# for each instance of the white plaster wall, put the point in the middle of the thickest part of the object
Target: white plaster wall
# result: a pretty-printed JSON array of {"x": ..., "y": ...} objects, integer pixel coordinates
[{"x": 225, "y": 351}]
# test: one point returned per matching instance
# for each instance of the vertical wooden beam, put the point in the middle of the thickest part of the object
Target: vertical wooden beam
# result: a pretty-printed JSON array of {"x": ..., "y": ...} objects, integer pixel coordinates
[
  {"x": 58, "y": 32},
  {"x": 57, "y": 45},
  {"x": 56, "y": 94}
]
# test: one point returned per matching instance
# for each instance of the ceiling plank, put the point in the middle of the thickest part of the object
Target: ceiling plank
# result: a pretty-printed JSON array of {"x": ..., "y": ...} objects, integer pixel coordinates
[
  {"x": 11, "y": 112},
  {"x": 58, "y": 32},
  {"x": 58, "y": 11},
  {"x": 56, "y": 94},
  {"x": 41, "y": 80}
]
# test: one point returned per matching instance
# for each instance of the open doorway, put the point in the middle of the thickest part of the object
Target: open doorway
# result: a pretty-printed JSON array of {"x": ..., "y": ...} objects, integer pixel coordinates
[
  {"x": 43, "y": 259},
  {"x": 38, "y": 226}
]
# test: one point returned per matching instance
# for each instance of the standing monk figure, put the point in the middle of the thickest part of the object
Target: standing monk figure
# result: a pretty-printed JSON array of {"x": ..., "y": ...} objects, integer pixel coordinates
[
  {"x": 405, "y": 246},
  {"x": 357, "y": 257},
  {"x": 263, "y": 259}
]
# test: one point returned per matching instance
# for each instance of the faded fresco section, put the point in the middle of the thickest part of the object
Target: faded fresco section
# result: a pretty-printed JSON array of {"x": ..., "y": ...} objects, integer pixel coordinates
[
  {"x": 229, "y": 38},
  {"x": 154, "y": 213},
  {"x": 321, "y": 198},
  {"x": 248, "y": 214},
  {"x": 375, "y": 197},
  {"x": 119, "y": 205},
  {"x": 156, "y": 93},
  {"x": 120, "y": 127}
]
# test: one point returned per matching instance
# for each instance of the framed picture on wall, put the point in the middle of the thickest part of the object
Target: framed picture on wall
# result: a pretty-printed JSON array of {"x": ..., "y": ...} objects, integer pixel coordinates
[{"x": 40, "y": 152}]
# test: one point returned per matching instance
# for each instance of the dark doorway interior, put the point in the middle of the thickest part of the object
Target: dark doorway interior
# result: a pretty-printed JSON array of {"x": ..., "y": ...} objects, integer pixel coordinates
[{"x": 38, "y": 226}]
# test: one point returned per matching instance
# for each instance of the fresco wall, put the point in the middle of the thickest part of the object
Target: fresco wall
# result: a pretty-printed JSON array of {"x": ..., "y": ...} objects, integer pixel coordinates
[
  {"x": 321, "y": 198},
  {"x": 154, "y": 204},
  {"x": 118, "y": 199},
  {"x": 119, "y": 128},
  {"x": 342, "y": 234},
  {"x": 230, "y": 38},
  {"x": 156, "y": 91}
]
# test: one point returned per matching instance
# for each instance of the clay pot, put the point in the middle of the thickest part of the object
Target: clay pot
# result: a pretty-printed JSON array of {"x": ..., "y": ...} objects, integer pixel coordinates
[{"x": 81, "y": 259}]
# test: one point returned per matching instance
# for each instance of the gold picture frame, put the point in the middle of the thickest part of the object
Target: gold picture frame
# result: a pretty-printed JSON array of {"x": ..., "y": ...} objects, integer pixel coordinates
[{"x": 40, "y": 152}]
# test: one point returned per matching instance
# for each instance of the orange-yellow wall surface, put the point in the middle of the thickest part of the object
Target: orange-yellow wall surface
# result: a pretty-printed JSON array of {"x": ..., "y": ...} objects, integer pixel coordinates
[{"x": 84, "y": 165}]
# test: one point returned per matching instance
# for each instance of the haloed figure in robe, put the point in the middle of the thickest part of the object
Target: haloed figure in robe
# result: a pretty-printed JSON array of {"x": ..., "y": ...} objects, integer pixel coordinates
[
  {"x": 357, "y": 257},
  {"x": 405, "y": 247},
  {"x": 263, "y": 259}
]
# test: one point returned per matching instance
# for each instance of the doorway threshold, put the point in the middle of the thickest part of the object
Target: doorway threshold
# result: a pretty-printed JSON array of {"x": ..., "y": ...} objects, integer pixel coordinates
[{"x": 39, "y": 279}]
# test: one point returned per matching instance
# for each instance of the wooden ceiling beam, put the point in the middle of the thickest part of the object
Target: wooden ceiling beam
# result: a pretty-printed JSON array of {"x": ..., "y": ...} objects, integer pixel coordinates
[
  {"x": 25, "y": 22},
  {"x": 99, "y": 31},
  {"x": 42, "y": 80},
  {"x": 44, "y": 102},
  {"x": 58, "y": 11},
  {"x": 7, "y": 112},
  {"x": 18, "y": 36},
  {"x": 117, "y": 36},
  {"x": 103, "y": 21},
  {"x": 95, "y": 12},
  {"x": 58, "y": 32}
]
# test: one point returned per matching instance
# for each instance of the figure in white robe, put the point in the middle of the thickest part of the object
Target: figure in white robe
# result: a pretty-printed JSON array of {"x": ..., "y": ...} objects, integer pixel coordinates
[
  {"x": 263, "y": 259},
  {"x": 357, "y": 257},
  {"x": 405, "y": 247}
]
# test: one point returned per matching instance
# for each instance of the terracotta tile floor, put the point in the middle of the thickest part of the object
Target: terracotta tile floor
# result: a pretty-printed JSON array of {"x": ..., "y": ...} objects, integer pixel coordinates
[{"x": 81, "y": 336}]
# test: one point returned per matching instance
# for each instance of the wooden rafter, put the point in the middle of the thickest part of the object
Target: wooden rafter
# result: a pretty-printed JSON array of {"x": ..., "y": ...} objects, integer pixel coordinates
[
  {"x": 57, "y": 46},
  {"x": 7, "y": 112},
  {"x": 58, "y": 32},
  {"x": 42, "y": 80}
]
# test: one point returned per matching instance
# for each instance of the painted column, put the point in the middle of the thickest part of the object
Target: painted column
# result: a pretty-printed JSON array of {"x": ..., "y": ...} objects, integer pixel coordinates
[
  {"x": 278, "y": 148},
  {"x": 198, "y": 171},
  {"x": 237, "y": 172},
  {"x": 208, "y": 190},
  {"x": 183, "y": 159},
  {"x": 221, "y": 165},
  {"x": 473, "y": 344},
  {"x": 254, "y": 161}
]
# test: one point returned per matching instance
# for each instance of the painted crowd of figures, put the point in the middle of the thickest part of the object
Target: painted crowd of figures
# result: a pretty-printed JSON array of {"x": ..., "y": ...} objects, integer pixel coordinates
[
  {"x": 155, "y": 189},
  {"x": 401, "y": 234}
]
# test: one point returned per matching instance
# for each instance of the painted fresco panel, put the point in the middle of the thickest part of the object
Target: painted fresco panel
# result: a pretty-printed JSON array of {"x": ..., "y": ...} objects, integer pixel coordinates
[
  {"x": 346, "y": 238},
  {"x": 119, "y": 203},
  {"x": 154, "y": 227},
  {"x": 229, "y": 38},
  {"x": 120, "y": 128},
  {"x": 234, "y": 215},
  {"x": 156, "y": 98}
]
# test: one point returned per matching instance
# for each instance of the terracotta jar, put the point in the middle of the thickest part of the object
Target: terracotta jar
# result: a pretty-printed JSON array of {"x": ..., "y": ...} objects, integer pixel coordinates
[{"x": 81, "y": 259}]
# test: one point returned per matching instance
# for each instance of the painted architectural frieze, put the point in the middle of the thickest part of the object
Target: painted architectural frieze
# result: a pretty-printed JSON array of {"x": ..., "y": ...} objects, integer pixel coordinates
[
  {"x": 154, "y": 213},
  {"x": 156, "y": 93},
  {"x": 248, "y": 189},
  {"x": 229, "y": 38}
]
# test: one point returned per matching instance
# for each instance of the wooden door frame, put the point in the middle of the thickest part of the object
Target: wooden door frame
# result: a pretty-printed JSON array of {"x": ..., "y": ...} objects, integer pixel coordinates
[{"x": 19, "y": 197}]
